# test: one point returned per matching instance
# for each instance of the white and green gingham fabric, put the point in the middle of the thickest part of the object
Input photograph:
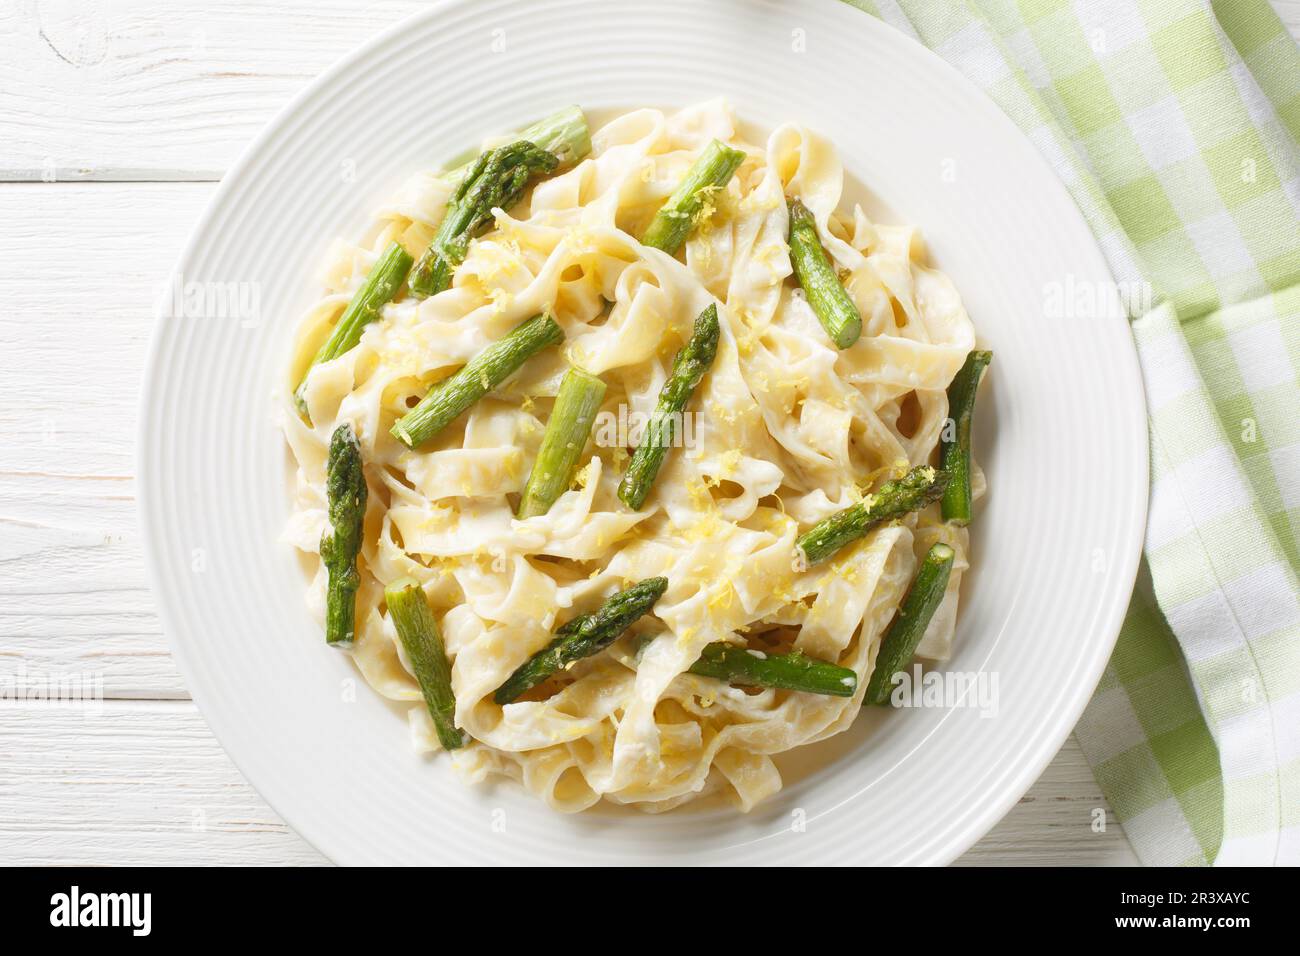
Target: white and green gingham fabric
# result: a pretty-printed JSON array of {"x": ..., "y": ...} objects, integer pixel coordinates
[{"x": 1175, "y": 124}]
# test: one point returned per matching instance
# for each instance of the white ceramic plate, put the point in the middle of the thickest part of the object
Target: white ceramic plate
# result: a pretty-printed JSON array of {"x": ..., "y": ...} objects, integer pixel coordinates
[{"x": 1061, "y": 430}]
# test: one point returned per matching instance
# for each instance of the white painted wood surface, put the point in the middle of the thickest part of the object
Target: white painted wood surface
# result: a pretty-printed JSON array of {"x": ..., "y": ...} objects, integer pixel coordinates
[{"x": 116, "y": 119}]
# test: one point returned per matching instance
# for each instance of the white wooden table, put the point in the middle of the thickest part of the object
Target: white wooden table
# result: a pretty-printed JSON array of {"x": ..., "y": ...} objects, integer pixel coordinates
[{"x": 117, "y": 118}]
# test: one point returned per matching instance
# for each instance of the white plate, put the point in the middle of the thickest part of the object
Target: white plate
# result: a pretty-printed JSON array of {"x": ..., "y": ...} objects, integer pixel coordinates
[{"x": 1062, "y": 431}]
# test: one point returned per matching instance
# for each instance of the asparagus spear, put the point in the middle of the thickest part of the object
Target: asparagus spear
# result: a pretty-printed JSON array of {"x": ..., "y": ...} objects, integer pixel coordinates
[
  {"x": 673, "y": 222},
  {"x": 345, "y": 489},
  {"x": 792, "y": 671},
  {"x": 480, "y": 375},
  {"x": 482, "y": 186},
  {"x": 912, "y": 492},
  {"x": 381, "y": 285},
  {"x": 563, "y": 133},
  {"x": 496, "y": 179},
  {"x": 583, "y": 636},
  {"x": 688, "y": 369},
  {"x": 907, "y": 629},
  {"x": 954, "y": 452},
  {"x": 567, "y": 429},
  {"x": 418, "y": 632},
  {"x": 812, "y": 267}
]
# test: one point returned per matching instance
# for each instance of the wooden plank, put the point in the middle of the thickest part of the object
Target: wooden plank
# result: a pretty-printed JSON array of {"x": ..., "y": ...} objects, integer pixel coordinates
[
  {"x": 1054, "y": 823},
  {"x": 79, "y": 268},
  {"x": 159, "y": 89},
  {"x": 145, "y": 782},
  {"x": 136, "y": 783}
]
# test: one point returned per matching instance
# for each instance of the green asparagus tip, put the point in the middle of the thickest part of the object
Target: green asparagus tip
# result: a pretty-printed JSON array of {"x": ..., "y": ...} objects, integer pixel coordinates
[
  {"x": 675, "y": 219},
  {"x": 563, "y": 133},
  {"x": 817, "y": 277},
  {"x": 382, "y": 284},
  {"x": 345, "y": 490},
  {"x": 582, "y": 637},
  {"x": 497, "y": 179},
  {"x": 689, "y": 369},
  {"x": 894, "y": 500},
  {"x": 447, "y": 400}
]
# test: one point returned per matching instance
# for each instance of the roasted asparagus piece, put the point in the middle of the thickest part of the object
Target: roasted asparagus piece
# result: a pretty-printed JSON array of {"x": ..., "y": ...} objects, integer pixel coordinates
[
  {"x": 382, "y": 283},
  {"x": 496, "y": 180},
  {"x": 563, "y": 133},
  {"x": 816, "y": 274},
  {"x": 583, "y": 636},
  {"x": 567, "y": 430},
  {"x": 918, "y": 488},
  {"x": 345, "y": 490},
  {"x": 480, "y": 375},
  {"x": 418, "y": 632},
  {"x": 954, "y": 440},
  {"x": 899, "y": 643},
  {"x": 675, "y": 218},
  {"x": 689, "y": 367},
  {"x": 793, "y": 671}
]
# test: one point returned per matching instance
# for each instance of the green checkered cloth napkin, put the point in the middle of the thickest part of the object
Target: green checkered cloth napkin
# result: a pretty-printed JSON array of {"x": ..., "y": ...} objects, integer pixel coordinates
[{"x": 1175, "y": 123}]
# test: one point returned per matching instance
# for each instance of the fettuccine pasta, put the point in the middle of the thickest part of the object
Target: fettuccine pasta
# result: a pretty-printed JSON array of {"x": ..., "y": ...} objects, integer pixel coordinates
[{"x": 784, "y": 430}]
